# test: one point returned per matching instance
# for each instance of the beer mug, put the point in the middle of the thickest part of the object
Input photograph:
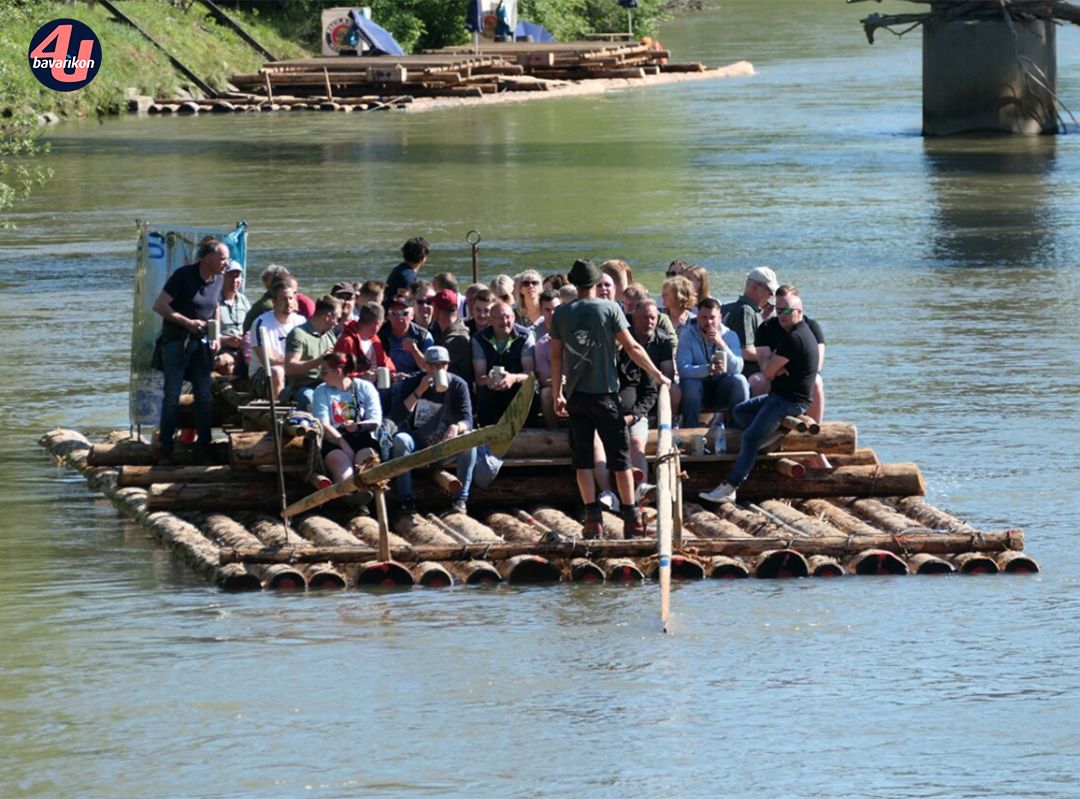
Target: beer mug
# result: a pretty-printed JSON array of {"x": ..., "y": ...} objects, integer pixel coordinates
[
  {"x": 719, "y": 360},
  {"x": 497, "y": 374},
  {"x": 697, "y": 445},
  {"x": 442, "y": 380},
  {"x": 382, "y": 377},
  {"x": 211, "y": 330}
]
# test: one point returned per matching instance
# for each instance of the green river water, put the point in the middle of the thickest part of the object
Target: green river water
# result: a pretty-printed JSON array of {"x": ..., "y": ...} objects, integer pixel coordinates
[{"x": 943, "y": 272}]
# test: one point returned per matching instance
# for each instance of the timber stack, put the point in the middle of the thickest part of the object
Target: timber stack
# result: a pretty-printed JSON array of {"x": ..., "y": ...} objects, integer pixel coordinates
[
  {"x": 816, "y": 505},
  {"x": 372, "y": 83}
]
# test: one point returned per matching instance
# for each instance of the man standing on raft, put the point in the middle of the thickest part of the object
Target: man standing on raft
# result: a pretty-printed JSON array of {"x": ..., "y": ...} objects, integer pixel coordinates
[
  {"x": 584, "y": 334},
  {"x": 791, "y": 365}
]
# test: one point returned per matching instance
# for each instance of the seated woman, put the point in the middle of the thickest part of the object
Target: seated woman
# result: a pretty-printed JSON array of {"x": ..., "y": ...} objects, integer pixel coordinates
[
  {"x": 350, "y": 414},
  {"x": 527, "y": 298},
  {"x": 679, "y": 301}
]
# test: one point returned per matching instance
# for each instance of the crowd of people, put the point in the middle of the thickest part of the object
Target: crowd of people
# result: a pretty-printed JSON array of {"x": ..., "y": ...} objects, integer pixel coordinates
[{"x": 431, "y": 361}]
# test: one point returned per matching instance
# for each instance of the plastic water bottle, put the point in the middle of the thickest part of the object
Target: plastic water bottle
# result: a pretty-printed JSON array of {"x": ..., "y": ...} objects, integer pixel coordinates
[{"x": 719, "y": 438}]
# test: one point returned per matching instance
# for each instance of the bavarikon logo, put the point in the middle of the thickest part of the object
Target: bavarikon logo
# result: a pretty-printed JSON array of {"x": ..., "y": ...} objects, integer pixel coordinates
[{"x": 65, "y": 55}]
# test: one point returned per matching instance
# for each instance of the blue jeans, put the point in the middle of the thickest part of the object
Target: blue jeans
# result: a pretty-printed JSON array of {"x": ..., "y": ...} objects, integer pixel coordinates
[
  {"x": 187, "y": 357},
  {"x": 716, "y": 392},
  {"x": 405, "y": 444},
  {"x": 759, "y": 417}
]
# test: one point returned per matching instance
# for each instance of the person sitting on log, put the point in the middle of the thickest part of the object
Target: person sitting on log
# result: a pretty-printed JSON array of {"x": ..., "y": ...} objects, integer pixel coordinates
[
  {"x": 402, "y": 339},
  {"x": 271, "y": 275},
  {"x": 549, "y": 301},
  {"x": 421, "y": 293},
  {"x": 480, "y": 310},
  {"x": 345, "y": 293},
  {"x": 502, "y": 356},
  {"x": 430, "y": 407},
  {"x": 527, "y": 290},
  {"x": 763, "y": 339},
  {"x": 414, "y": 254},
  {"x": 188, "y": 302},
  {"x": 585, "y": 332},
  {"x": 679, "y": 302},
  {"x": 744, "y": 315},
  {"x": 234, "y": 307},
  {"x": 371, "y": 291},
  {"x": 360, "y": 340},
  {"x": 270, "y": 331},
  {"x": 791, "y": 364},
  {"x": 350, "y": 414},
  {"x": 305, "y": 346},
  {"x": 450, "y": 332},
  {"x": 710, "y": 366}
]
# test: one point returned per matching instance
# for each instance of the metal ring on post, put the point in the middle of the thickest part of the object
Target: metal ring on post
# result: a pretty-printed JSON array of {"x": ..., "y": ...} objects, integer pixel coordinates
[{"x": 472, "y": 237}]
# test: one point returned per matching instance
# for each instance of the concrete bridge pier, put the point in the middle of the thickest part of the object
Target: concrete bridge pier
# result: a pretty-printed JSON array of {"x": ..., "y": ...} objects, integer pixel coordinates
[{"x": 989, "y": 75}]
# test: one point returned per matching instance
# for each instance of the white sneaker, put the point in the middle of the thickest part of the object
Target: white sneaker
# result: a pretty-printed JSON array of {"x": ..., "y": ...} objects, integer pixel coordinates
[
  {"x": 725, "y": 492},
  {"x": 644, "y": 491},
  {"x": 609, "y": 501}
]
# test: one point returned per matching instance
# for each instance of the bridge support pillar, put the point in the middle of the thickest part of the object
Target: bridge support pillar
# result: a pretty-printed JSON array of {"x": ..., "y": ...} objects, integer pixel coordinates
[{"x": 989, "y": 75}]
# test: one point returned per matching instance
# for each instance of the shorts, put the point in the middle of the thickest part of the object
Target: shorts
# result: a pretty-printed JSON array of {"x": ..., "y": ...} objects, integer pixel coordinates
[
  {"x": 600, "y": 414},
  {"x": 357, "y": 439}
]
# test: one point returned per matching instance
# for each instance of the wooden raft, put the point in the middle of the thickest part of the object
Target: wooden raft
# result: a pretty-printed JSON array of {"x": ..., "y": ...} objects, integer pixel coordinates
[{"x": 522, "y": 531}]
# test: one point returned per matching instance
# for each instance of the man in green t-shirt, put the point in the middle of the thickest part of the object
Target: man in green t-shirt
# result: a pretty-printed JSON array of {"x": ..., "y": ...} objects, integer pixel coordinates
[
  {"x": 584, "y": 334},
  {"x": 304, "y": 349}
]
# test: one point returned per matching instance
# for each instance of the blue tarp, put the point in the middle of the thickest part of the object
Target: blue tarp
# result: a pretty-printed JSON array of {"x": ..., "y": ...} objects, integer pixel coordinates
[
  {"x": 536, "y": 33},
  {"x": 378, "y": 38}
]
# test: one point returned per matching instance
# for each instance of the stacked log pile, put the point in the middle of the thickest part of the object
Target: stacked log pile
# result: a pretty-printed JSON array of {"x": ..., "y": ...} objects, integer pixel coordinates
[
  {"x": 376, "y": 83},
  {"x": 857, "y": 518}
]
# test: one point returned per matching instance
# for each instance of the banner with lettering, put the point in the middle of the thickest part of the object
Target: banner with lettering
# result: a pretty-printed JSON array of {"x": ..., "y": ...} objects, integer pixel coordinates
[{"x": 161, "y": 250}]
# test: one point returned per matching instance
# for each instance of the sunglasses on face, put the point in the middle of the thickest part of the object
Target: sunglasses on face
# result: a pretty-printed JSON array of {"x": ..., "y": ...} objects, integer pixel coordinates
[
  {"x": 786, "y": 311},
  {"x": 399, "y": 314},
  {"x": 422, "y": 302},
  {"x": 530, "y": 282},
  {"x": 673, "y": 273}
]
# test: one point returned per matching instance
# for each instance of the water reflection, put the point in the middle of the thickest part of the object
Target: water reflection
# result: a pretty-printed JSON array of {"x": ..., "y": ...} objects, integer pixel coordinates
[{"x": 991, "y": 195}]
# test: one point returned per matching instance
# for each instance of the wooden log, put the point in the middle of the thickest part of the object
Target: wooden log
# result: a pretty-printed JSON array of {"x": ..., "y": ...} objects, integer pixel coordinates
[
  {"x": 131, "y": 475},
  {"x": 186, "y": 540},
  {"x": 721, "y": 567},
  {"x": 447, "y": 482},
  {"x": 558, "y": 521},
  {"x": 975, "y": 563},
  {"x": 272, "y": 532},
  {"x": 621, "y": 570},
  {"x": 475, "y": 572},
  {"x": 843, "y": 545},
  {"x": 790, "y": 468},
  {"x": 683, "y": 568},
  {"x": 418, "y": 531},
  {"x": 613, "y": 526},
  {"x": 880, "y": 515},
  {"x": 864, "y": 456},
  {"x": 751, "y": 522},
  {"x": 383, "y": 574},
  {"x": 473, "y": 531},
  {"x": 706, "y": 524},
  {"x": 824, "y": 566},
  {"x": 430, "y": 574},
  {"x": 799, "y": 521},
  {"x": 512, "y": 529},
  {"x": 781, "y": 564},
  {"x": 839, "y": 518},
  {"x": 323, "y": 532},
  {"x": 121, "y": 453},
  {"x": 223, "y": 530},
  {"x": 367, "y": 530},
  {"x": 1016, "y": 563},
  {"x": 811, "y": 425},
  {"x": 212, "y": 496},
  {"x": 794, "y": 424},
  {"x": 583, "y": 570},
  {"x": 877, "y": 562},
  {"x": 927, "y": 515},
  {"x": 529, "y": 569},
  {"x": 61, "y": 443},
  {"x": 250, "y": 449},
  {"x": 324, "y": 577},
  {"x": 282, "y": 577},
  {"x": 835, "y": 438},
  {"x": 925, "y": 563}
]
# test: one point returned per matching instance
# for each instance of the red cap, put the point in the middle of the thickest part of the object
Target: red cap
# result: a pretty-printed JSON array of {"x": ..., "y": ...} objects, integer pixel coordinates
[{"x": 445, "y": 300}]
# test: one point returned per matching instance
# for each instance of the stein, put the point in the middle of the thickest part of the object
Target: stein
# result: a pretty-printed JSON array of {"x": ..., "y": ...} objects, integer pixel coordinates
[
  {"x": 697, "y": 445},
  {"x": 382, "y": 377},
  {"x": 211, "y": 329},
  {"x": 719, "y": 360},
  {"x": 497, "y": 373},
  {"x": 442, "y": 380}
]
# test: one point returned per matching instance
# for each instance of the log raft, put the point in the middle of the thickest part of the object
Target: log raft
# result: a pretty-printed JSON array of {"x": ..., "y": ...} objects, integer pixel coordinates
[{"x": 858, "y": 516}]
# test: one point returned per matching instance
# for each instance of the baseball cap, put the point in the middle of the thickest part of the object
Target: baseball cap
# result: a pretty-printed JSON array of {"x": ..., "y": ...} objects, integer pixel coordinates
[
  {"x": 446, "y": 300},
  {"x": 400, "y": 301},
  {"x": 234, "y": 266},
  {"x": 436, "y": 355},
  {"x": 343, "y": 288},
  {"x": 765, "y": 276}
]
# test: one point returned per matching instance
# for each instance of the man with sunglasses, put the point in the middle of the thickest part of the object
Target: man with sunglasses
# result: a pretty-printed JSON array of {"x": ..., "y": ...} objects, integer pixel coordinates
[
  {"x": 791, "y": 364},
  {"x": 402, "y": 339}
]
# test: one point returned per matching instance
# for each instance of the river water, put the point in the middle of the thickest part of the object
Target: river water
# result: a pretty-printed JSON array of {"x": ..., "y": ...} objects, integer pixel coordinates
[{"x": 944, "y": 273}]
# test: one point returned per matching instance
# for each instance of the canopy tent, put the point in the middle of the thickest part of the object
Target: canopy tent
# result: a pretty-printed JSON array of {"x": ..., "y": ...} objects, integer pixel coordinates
[{"x": 532, "y": 32}]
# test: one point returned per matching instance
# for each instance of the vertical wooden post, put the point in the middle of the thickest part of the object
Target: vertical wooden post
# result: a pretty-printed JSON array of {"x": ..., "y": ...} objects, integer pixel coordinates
[
  {"x": 665, "y": 495},
  {"x": 384, "y": 526},
  {"x": 329, "y": 91},
  {"x": 269, "y": 89},
  {"x": 677, "y": 514}
]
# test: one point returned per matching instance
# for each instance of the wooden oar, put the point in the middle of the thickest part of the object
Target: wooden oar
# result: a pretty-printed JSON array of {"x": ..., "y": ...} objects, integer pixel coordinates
[
  {"x": 497, "y": 436},
  {"x": 275, "y": 431},
  {"x": 665, "y": 496}
]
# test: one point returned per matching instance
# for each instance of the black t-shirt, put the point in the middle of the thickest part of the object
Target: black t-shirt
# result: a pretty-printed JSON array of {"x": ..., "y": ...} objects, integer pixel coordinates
[
  {"x": 659, "y": 348},
  {"x": 766, "y": 332},
  {"x": 192, "y": 296},
  {"x": 800, "y": 348},
  {"x": 402, "y": 277}
]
